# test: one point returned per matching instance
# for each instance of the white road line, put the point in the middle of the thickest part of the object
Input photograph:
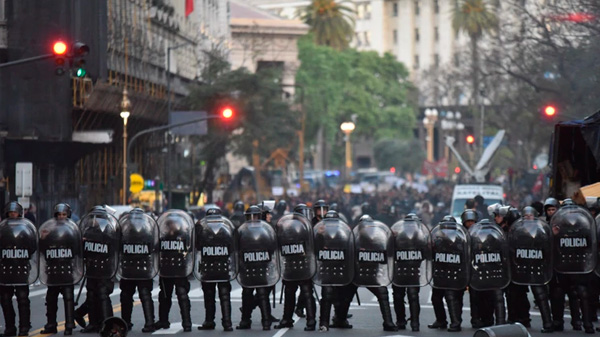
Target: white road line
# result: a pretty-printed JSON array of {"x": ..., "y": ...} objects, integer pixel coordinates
[
  {"x": 281, "y": 332},
  {"x": 429, "y": 296}
]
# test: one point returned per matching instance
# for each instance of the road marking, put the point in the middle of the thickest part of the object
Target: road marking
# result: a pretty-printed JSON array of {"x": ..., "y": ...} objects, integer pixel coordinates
[
  {"x": 430, "y": 295},
  {"x": 281, "y": 332}
]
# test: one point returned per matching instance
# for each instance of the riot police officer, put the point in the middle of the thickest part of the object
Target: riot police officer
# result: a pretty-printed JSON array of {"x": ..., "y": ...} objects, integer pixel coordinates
[
  {"x": 550, "y": 207},
  {"x": 320, "y": 208},
  {"x": 298, "y": 265},
  {"x": 412, "y": 268},
  {"x": 139, "y": 264},
  {"x": 176, "y": 264},
  {"x": 237, "y": 218},
  {"x": 280, "y": 209},
  {"x": 101, "y": 235},
  {"x": 255, "y": 214},
  {"x": 60, "y": 246},
  {"x": 216, "y": 266},
  {"x": 18, "y": 272}
]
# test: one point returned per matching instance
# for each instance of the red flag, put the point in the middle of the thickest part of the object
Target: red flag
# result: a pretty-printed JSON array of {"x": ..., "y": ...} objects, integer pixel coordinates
[{"x": 189, "y": 7}]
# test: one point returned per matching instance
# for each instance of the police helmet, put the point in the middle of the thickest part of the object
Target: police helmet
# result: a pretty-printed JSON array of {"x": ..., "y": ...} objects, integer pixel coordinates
[
  {"x": 365, "y": 217},
  {"x": 334, "y": 206},
  {"x": 213, "y": 211},
  {"x": 238, "y": 206},
  {"x": 550, "y": 202},
  {"x": 530, "y": 211},
  {"x": 13, "y": 206},
  {"x": 332, "y": 215},
  {"x": 365, "y": 207},
  {"x": 253, "y": 213},
  {"x": 303, "y": 210},
  {"x": 469, "y": 215},
  {"x": 322, "y": 205},
  {"x": 62, "y": 208},
  {"x": 411, "y": 216},
  {"x": 113, "y": 327},
  {"x": 448, "y": 218},
  {"x": 281, "y": 207}
]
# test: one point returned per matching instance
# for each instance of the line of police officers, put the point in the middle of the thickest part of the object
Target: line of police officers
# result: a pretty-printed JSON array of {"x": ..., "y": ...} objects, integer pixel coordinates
[{"x": 489, "y": 259}]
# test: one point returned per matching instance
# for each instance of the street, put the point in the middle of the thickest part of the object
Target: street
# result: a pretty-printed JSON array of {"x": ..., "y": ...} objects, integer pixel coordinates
[{"x": 366, "y": 320}]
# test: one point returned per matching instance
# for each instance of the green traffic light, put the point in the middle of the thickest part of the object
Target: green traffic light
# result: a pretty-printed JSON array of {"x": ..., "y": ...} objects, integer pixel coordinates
[{"x": 81, "y": 72}]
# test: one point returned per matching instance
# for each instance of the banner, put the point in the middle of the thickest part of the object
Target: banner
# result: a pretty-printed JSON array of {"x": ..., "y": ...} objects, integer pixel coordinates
[{"x": 438, "y": 169}]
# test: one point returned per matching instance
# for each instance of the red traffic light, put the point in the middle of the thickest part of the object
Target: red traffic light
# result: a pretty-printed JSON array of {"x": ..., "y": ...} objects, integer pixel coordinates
[
  {"x": 392, "y": 169},
  {"x": 227, "y": 112},
  {"x": 470, "y": 139},
  {"x": 457, "y": 170},
  {"x": 59, "y": 48},
  {"x": 549, "y": 111}
]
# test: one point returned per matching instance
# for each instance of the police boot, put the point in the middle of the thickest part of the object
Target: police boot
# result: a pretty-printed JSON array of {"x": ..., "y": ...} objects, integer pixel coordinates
[
  {"x": 386, "y": 311},
  {"x": 263, "y": 305},
  {"x": 540, "y": 295},
  {"x": 414, "y": 307},
  {"x": 311, "y": 306},
  {"x": 24, "y": 312},
  {"x": 226, "y": 310},
  {"x": 164, "y": 307},
  {"x": 209, "y": 309},
  {"x": 325, "y": 308},
  {"x": 69, "y": 302},
  {"x": 454, "y": 310},
  {"x": 8, "y": 310},
  {"x": 148, "y": 308},
  {"x": 586, "y": 312},
  {"x": 340, "y": 320},
  {"x": 51, "y": 309},
  {"x": 499, "y": 307},
  {"x": 185, "y": 309},
  {"x": 399, "y": 308},
  {"x": 81, "y": 312},
  {"x": 247, "y": 307},
  {"x": 288, "y": 311}
]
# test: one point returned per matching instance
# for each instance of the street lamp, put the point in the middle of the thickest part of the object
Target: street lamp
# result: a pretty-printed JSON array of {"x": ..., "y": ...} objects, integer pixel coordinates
[
  {"x": 125, "y": 108},
  {"x": 431, "y": 116},
  {"x": 347, "y": 128},
  {"x": 450, "y": 123}
]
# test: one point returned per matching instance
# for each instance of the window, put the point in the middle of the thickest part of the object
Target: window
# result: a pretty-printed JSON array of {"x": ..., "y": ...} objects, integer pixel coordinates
[
  {"x": 367, "y": 39},
  {"x": 360, "y": 13},
  {"x": 395, "y": 36},
  {"x": 358, "y": 41},
  {"x": 436, "y": 60},
  {"x": 436, "y": 6},
  {"x": 416, "y": 64},
  {"x": 395, "y": 9},
  {"x": 417, "y": 34},
  {"x": 417, "y": 9},
  {"x": 436, "y": 33},
  {"x": 368, "y": 11}
]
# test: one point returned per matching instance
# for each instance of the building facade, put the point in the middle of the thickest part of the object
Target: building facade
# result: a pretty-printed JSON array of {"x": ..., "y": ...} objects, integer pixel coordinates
[{"x": 152, "y": 48}]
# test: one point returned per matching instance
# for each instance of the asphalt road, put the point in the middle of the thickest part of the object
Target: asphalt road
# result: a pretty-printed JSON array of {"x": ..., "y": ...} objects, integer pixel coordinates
[{"x": 366, "y": 321}]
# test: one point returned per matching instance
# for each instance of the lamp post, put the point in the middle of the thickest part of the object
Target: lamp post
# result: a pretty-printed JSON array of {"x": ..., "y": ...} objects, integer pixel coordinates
[
  {"x": 347, "y": 128},
  {"x": 125, "y": 108},
  {"x": 450, "y": 123},
  {"x": 431, "y": 116}
]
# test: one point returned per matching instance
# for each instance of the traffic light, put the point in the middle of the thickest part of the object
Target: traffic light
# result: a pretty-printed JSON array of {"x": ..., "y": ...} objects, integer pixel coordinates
[
  {"x": 227, "y": 112},
  {"x": 549, "y": 111},
  {"x": 59, "y": 48},
  {"x": 470, "y": 139},
  {"x": 80, "y": 50}
]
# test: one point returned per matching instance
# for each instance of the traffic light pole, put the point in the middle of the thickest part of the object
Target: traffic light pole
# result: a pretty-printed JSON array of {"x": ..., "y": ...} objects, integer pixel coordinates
[{"x": 27, "y": 60}]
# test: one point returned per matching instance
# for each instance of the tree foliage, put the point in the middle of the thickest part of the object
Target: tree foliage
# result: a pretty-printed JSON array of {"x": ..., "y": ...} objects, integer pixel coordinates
[
  {"x": 331, "y": 23},
  {"x": 406, "y": 155},
  {"x": 342, "y": 84},
  {"x": 260, "y": 114}
]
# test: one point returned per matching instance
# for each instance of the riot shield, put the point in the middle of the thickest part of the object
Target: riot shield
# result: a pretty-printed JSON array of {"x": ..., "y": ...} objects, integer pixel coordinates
[
  {"x": 216, "y": 259},
  {"x": 296, "y": 248},
  {"x": 597, "y": 270},
  {"x": 450, "y": 255},
  {"x": 20, "y": 257},
  {"x": 374, "y": 250},
  {"x": 139, "y": 246},
  {"x": 61, "y": 256},
  {"x": 176, "y": 230},
  {"x": 258, "y": 256},
  {"x": 334, "y": 247},
  {"x": 575, "y": 246},
  {"x": 530, "y": 250},
  {"x": 101, "y": 235},
  {"x": 490, "y": 262},
  {"x": 412, "y": 254}
]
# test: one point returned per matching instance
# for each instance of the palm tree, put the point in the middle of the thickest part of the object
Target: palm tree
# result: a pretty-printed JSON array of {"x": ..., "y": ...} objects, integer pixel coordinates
[
  {"x": 331, "y": 24},
  {"x": 475, "y": 18}
]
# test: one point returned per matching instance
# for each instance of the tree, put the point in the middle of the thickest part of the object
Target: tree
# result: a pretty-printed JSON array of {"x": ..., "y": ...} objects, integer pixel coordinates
[
  {"x": 342, "y": 85},
  {"x": 406, "y": 155},
  {"x": 260, "y": 114},
  {"x": 475, "y": 18},
  {"x": 331, "y": 23}
]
